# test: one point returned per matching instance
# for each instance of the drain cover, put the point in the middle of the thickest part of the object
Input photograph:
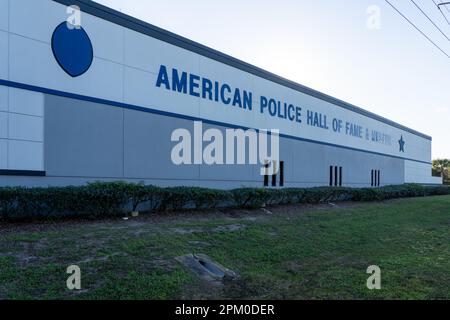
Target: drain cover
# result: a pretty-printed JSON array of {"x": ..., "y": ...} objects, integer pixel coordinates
[{"x": 206, "y": 268}]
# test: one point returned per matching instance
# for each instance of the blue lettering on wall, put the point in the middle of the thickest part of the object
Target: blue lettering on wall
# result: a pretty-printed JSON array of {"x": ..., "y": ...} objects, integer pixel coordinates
[
  {"x": 316, "y": 119},
  {"x": 204, "y": 88},
  {"x": 283, "y": 110},
  {"x": 216, "y": 91},
  {"x": 248, "y": 100},
  {"x": 237, "y": 99},
  {"x": 194, "y": 85},
  {"x": 179, "y": 84},
  {"x": 337, "y": 125},
  {"x": 225, "y": 99},
  {"x": 163, "y": 78},
  {"x": 354, "y": 130},
  {"x": 224, "y": 93},
  {"x": 207, "y": 89}
]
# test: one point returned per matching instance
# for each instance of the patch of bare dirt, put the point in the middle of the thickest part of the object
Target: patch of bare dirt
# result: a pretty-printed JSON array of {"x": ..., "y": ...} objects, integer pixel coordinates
[{"x": 167, "y": 217}]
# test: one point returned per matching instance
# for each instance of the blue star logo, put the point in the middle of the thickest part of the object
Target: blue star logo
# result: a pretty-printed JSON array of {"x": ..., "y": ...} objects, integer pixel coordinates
[{"x": 402, "y": 144}]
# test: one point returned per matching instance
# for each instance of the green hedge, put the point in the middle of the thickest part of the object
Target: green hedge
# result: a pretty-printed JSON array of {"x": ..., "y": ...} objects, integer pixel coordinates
[{"x": 117, "y": 199}]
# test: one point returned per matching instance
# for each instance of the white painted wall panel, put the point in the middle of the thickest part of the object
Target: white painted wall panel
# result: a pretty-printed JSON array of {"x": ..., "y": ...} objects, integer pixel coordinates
[
  {"x": 148, "y": 54},
  {"x": 139, "y": 92},
  {"x": 106, "y": 36},
  {"x": 217, "y": 110},
  {"x": 32, "y": 62},
  {"x": 3, "y": 125},
  {"x": 26, "y": 102},
  {"x": 4, "y": 16},
  {"x": 419, "y": 173},
  {"x": 25, "y": 155},
  {"x": 36, "y": 19},
  {"x": 174, "y": 56},
  {"x": 139, "y": 49},
  {"x": 3, "y": 98},
  {"x": 3, "y": 55},
  {"x": 436, "y": 180},
  {"x": 23, "y": 127},
  {"x": 104, "y": 80},
  {"x": 3, "y": 154}
]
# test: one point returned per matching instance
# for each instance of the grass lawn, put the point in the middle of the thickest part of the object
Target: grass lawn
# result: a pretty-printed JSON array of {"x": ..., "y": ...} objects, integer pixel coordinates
[{"x": 297, "y": 252}]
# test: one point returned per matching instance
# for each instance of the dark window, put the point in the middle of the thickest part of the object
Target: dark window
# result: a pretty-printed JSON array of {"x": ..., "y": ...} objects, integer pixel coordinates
[
  {"x": 379, "y": 178},
  {"x": 331, "y": 176},
  {"x": 266, "y": 176},
  {"x": 340, "y": 176},
  {"x": 372, "y": 181},
  {"x": 335, "y": 176},
  {"x": 281, "y": 173},
  {"x": 376, "y": 178},
  {"x": 274, "y": 176}
]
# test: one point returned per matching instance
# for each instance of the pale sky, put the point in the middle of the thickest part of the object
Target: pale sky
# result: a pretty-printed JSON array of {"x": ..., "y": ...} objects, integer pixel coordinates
[{"x": 326, "y": 45}]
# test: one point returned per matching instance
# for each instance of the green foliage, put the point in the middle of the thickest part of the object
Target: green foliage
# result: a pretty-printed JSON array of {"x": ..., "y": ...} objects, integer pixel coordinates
[
  {"x": 286, "y": 196},
  {"x": 250, "y": 197},
  {"x": 114, "y": 199},
  {"x": 441, "y": 167}
]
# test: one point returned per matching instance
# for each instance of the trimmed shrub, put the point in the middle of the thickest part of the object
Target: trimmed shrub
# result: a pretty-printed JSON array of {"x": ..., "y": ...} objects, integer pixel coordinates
[
  {"x": 118, "y": 198},
  {"x": 249, "y": 197},
  {"x": 286, "y": 196}
]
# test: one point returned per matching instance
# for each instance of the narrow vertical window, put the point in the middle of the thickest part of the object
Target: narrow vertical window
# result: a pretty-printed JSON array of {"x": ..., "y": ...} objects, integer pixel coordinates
[
  {"x": 379, "y": 178},
  {"x": 335, "y": 176},
  {"x": 266, "y": 176},
  {"x": 331, "y": 176},
  {"x": 281, "y": 173},
  {"x": 376, "y": 177},
  {"x": 274, "y": 176},
  {"x": 340, "y": 176},
  {"x": 372, "y": 181}
]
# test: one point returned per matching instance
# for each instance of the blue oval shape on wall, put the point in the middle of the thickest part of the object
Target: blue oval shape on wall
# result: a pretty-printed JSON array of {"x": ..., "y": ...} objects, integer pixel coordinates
[{"x": 72, "y": 49}]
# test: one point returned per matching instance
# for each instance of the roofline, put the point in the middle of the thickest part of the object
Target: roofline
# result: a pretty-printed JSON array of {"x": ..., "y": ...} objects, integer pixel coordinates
[{"x": 142, "y": 27}]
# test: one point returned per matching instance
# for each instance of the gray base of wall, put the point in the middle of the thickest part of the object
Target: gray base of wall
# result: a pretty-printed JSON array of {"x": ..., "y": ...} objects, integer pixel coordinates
[{"x": 87, "y": 142}]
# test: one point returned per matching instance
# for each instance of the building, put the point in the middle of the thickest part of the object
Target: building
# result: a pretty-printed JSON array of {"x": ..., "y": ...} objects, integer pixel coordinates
[{"x": 99, "y": 98}]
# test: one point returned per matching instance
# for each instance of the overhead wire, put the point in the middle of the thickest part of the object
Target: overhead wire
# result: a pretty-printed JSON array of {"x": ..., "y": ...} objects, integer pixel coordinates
[{"x": 418, "y": 29}]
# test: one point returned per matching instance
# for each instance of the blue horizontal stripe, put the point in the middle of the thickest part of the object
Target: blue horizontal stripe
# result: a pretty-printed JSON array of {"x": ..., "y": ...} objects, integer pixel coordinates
[
  {"x": 22, "y": 173},
  {"x": 175, "y": 115}
]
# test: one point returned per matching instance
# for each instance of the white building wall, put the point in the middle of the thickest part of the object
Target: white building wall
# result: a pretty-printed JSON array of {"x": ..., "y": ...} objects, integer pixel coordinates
[
  {"x": 125, "y": 69},
  {"x": 419, "y": 173},
  {"x": 4, "y": 15},
  {"x": 21, "y": 129}
]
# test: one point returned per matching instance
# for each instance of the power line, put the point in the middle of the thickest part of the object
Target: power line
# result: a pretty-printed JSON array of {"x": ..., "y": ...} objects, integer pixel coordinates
[
  {"x": 434, "y": 24},
  {"x": 444, "y": 4},
  {"x": 440, "y": 10},
  {"x": 446, "y": 8},
  {"x": 415, "y": 27}
]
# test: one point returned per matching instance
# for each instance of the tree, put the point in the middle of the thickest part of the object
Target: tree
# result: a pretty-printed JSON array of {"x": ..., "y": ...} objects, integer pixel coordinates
[{"x": 441, "y": 167}]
